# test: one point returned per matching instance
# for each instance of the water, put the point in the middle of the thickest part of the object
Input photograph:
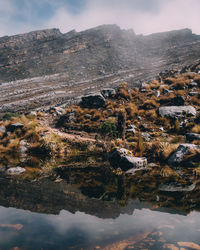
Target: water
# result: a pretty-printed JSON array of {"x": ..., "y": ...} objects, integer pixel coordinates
[{"x": 94, "y": 209}]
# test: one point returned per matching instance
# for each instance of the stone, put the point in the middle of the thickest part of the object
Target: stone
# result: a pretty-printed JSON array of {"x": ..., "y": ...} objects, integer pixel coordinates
[
  {"x": 193, "y": 93},
  {"x": 2, "y": 129},
  {"x": 177, "y": 111},
  {"x": 146, "y": 136},
  {"x": 15, "y": 171},
  {"x": 192, "y": 136},
  {"x": 178, "y": 101},
  {"x": 177, "y": 187},
  {"x": 157, "y": 93},
  {"x": 58, "y": 110},
  {"x": 108, "y": 92},
  {"x": 177, "y": 158},
  {"x": 143, "y": 87},
  {"x": 193, "y": 85},
  {"x": 124, "y": 159},
  {"x": 14, "y": 126},
  {"x": 93, "y": 100},
  {"x": 131, "y": 129}
]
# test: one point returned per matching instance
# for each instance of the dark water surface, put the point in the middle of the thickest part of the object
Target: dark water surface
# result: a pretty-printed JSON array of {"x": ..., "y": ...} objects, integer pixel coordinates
[{"x": 95, "y": 209}]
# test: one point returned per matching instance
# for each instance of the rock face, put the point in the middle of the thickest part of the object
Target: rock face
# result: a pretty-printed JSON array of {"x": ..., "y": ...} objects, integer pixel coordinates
[
  {"x": 123, "y": 158},
  {"x": 93, "y": 100},
  {"x": 177, "y": 111},
  {"x": 46, "y": 67},
  {"x": 182, "y": 151}
]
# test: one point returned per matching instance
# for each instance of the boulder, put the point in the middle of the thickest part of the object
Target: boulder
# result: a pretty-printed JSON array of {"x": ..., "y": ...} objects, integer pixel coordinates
[
  {"x": 193, "y": 93},
  {"x": 108, "y": 92},
  {"x": 14, "y": 126},
  {"x": 177, "y": 111},
  {"x": 93, "y": 100},
  {"x": 131, "y": 129},
  {"x": 192, "y": 136},
  {"x": 177, "y": 187},
  {"x": 124, "y": 159},
  {"x": 15, "y": 171},
  {"x": 146, "y": 136},
  {"x": 193, "y": 85},
  {"x": 2, "y": 129},
  {"x": 178, "y": 157}
]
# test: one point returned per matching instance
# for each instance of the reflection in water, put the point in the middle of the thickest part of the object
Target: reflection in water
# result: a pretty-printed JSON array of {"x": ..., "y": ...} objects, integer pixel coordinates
[
  {"x": 95, "y": 208},
  {"x": 145, "y": 228}
]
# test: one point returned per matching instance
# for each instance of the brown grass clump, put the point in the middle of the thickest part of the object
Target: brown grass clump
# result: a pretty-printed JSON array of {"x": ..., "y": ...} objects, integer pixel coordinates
[
  {"x": 196, "y": 129},
  {"x": 151, "y": 115},
  {"x": 155, "y": 84},
  {"x": 150, "y": 104},
  {"x": 167, "y": 150},
  {"x": 131, "y": 110},
  {"x": 195, "y": 101},
  {"x": 123, "y": 92}
]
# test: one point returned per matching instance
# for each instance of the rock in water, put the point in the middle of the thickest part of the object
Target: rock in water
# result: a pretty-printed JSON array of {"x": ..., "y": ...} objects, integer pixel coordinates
[
  {"x": 93, "y": 100},
  {"x": 177, "y": 111},
  {"x": 124, "y": 159},
  {"x": 15, "y": 171},
  {"x": 182, "y": 151}
]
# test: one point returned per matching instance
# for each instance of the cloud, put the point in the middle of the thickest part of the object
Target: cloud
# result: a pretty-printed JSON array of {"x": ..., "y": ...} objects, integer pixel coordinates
[
  {"x": 162, "y": 15},
  {"x": 143, "y": 16}
]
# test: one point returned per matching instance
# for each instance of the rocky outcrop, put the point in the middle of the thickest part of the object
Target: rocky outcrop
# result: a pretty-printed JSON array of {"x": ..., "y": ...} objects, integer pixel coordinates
[
  {"x": 124, "y": 159},
  {"x": 95, "y": 100},
  {"x": 15, "y": 171},
  {"x": 177, "y": 111},
  {"x": 179, "y": 157}
]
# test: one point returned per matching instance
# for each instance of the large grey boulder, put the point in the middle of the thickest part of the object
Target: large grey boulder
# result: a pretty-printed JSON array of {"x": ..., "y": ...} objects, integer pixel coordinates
[
  {"x": 176, "y": 187},
  {"x": 177, "y": 111},
  {"x": 192, "y": 136},
  {"x": 93, "y": 100},
  {"x": 124, "y": 159},
  {"x": 182, "y": 151},
  {"x": 108, "y": 92}
]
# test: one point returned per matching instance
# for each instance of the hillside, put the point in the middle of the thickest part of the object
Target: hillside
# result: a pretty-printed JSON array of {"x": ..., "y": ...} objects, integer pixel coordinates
[{"x": 44, "y": 68}]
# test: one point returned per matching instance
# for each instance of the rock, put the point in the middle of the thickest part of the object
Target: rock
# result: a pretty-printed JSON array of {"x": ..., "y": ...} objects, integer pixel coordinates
[
  {"x": 93, "y": 100},
  {"x": 131, "y": 129},
  {"x": 124, "y": 159},
  {"x": 193, "y": 85},
  {"x": 177, "y": 187},
  {"x": 14, "y": 126},
  {"x": 192, "y": 136},
  {"x": 177, "y": 157},
  {"x": 15, "y": 171},
  {"x": 143, "y": 87},
  {"x": 88, "y": 116},
  {"x": 2, "y": 129},
  {"x": 177, "y": 111},
  {"x": 193, "y": 93},
  {"x": 34, "y": 113},
  {"x": 144, "y": 127},
  {"x": 58, "y": 110},
  {"x": 178, "y": 101},
  {"x": 146, "y": 136},
  {"x": 108, "y": 92},
  {"x": 157, "y": 93}
]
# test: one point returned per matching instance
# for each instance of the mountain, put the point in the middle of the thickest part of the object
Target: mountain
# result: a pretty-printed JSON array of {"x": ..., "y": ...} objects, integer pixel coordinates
[{"x": 68, "y": 65}]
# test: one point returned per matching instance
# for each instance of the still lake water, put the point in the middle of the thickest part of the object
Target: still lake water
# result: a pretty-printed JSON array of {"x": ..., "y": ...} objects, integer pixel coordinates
[{"x": 96, "y": 210}]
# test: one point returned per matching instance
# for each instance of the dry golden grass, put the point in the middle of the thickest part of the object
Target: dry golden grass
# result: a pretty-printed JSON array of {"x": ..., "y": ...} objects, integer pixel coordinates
[
  {"x": 195, "y": 101},
  {"x": 131, "y": 110},
  {"x": 196, "y": 129},
  {"x": 150, "y": 104},
  {"x": 155, "y": 84},
  {"x": 168, "y": 149}
]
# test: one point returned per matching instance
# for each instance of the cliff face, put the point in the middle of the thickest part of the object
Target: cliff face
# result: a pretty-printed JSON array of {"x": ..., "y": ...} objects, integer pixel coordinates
[
  {"x": 104, "y": 54},
  {"x": 104, "y": 49}
]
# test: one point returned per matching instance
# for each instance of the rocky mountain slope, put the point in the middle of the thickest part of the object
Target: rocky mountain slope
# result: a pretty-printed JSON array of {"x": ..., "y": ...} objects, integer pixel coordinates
[{"x": 44, "y": 68}]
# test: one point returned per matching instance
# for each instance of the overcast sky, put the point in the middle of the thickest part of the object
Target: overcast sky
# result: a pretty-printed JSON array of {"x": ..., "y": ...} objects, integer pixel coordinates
[{"x": 143, "y": 16}]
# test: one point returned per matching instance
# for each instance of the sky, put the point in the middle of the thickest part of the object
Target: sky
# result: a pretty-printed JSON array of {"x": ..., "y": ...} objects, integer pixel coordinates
[{"x": 143, "y": 16}]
